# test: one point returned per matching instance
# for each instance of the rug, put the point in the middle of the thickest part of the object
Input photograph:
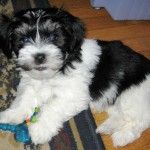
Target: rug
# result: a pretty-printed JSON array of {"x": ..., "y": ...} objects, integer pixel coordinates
[
  {"x": 77, "y": 134},
  {"x": 8, "y": 6}
]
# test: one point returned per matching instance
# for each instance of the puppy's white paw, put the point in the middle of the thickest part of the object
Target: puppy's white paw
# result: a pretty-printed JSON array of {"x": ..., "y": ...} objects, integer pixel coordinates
[
  {"x": 124, "y": 137},
  {"x": 9, "y": 116},
  {"x": 110, "y": 126},
  {"x": 14, "y": 116},
  {"x": 104, "y": 129},
  {"x": 39, "y": 133}
]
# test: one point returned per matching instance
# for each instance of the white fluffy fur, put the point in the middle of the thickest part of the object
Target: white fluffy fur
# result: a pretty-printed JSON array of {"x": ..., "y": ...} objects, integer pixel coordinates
[
  {"x": 129, "y": 117},
  {"x": 61, "y": 97}
]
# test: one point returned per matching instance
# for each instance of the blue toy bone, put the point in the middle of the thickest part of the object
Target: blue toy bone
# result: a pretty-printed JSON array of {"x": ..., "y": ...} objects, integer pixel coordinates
[{"x": 20, "y": 131}]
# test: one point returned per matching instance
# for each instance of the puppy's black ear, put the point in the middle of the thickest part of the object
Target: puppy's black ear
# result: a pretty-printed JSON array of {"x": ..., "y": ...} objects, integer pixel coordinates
[
  {"x": 75, "y": 28},
  {"x": 78, "y": 33},
  {"x": 5, "y": 34}
]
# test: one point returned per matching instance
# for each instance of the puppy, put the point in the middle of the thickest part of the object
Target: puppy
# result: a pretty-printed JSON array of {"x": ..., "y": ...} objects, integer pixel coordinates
[{"x": 62, "y": 73}]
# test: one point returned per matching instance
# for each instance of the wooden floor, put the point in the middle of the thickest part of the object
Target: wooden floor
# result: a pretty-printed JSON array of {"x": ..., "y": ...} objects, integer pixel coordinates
[{"x": 135, "y": 34}]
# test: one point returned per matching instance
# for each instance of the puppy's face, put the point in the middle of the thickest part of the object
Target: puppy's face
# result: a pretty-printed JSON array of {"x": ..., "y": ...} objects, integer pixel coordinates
[{"x": 46, "y": 41}]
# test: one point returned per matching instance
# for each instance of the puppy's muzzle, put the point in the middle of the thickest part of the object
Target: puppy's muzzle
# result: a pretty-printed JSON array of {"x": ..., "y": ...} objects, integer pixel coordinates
[{"x": 40, "y": 58}]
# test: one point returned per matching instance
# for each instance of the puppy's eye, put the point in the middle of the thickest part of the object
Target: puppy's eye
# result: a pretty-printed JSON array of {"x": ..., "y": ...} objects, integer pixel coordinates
[
  {"x": 52, "y": 37},
  {"x": 25, "y": 40}
]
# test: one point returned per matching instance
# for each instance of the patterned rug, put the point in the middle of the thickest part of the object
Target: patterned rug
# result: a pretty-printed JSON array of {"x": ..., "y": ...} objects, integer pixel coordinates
[{"x": 77, "y": 134}]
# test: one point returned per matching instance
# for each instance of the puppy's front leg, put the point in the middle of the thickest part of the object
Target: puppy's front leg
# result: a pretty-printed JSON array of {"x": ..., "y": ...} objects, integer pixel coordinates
[
  {"x": 22, "y": 107},
  {"x": 52, "y": 116}
]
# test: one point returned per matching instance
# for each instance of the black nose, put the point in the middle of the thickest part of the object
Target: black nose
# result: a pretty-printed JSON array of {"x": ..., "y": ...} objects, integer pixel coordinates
[{"x": 40, "y": 58}]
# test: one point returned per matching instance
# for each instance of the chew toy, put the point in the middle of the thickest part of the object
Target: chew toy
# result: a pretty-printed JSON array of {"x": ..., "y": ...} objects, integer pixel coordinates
[{"x": 20, "y": 131}]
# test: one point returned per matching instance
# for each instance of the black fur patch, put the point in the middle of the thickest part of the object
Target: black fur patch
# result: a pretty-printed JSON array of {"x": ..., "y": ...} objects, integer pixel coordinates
[{"x": 119, "y": 65}]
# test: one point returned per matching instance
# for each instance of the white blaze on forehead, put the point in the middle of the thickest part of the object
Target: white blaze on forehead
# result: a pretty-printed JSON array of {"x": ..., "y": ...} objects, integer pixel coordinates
[
  {"x": 37, "y": 31},
  {"x": 39, "y": 14}
]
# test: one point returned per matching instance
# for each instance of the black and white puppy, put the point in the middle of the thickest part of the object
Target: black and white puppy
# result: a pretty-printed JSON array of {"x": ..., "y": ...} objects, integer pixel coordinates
[{"x": 62, "y": 73}]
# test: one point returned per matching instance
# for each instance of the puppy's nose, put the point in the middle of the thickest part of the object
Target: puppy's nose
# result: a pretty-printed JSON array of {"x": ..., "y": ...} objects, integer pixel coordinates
[{"x": 40, "y": 58}]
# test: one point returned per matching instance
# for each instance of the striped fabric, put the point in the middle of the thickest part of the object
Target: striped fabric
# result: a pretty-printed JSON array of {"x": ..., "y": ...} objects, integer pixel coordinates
[
  {"x": 77, "y": 134},
  {"x": 15, "y": 5}
]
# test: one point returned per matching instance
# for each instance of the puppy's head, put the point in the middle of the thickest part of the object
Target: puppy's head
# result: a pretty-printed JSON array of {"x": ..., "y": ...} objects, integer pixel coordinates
[{"x": 46, "y": 41}]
